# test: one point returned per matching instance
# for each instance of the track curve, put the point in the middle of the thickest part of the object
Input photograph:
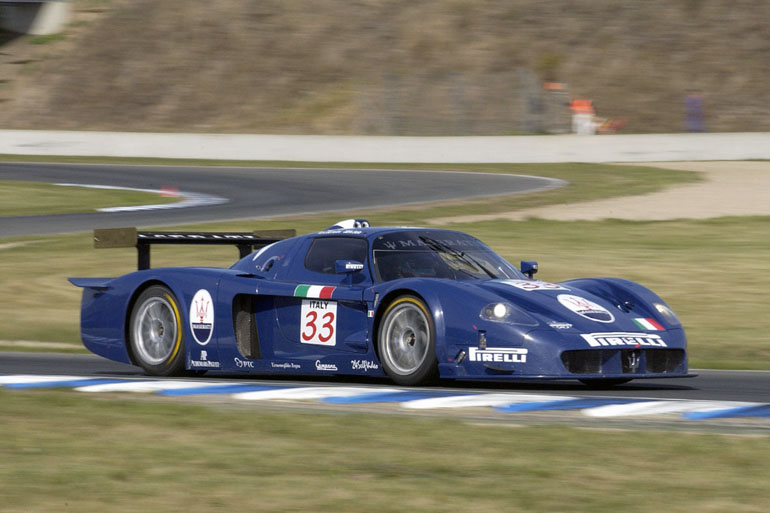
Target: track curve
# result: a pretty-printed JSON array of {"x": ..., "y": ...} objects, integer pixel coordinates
[
  {"x": 254, "y": 192},
  {"x": 266, "y": 192}
]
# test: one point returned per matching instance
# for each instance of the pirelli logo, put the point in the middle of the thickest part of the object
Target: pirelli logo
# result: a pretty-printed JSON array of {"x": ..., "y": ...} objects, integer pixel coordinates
[
  {"x": 498, "y": 355},
  {"x": 623, "y": 339}
]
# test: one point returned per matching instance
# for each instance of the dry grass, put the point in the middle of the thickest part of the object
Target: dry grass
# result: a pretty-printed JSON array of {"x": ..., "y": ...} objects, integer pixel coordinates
[
  {"x": 30, "y": 198},
  {"x": 64, "y": 452},
  {"x": 45, "y": 306},
  {"x": 376, "y": 66}
]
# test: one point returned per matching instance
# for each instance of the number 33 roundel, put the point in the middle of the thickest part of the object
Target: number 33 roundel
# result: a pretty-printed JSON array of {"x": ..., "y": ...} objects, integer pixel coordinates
[{"x": 319, "y": 322}]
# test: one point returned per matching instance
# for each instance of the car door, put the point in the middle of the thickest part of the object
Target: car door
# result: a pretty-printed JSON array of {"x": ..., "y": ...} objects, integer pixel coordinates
[{"x": 326, "y": 313}]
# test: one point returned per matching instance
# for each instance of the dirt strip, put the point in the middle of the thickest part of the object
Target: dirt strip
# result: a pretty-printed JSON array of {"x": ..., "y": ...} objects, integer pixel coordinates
[{"x": 728, "y": 189}]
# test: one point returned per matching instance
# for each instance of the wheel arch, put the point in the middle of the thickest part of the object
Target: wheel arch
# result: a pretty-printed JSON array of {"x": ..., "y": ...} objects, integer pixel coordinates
[{"x": 430, "y": 300}]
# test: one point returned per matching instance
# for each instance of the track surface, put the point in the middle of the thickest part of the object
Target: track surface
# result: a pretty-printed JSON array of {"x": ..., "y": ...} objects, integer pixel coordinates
[
  {"x": 753, "y": 386},
  {"x": 254, "y": 192},
  {"x": 268, "y": 192}
]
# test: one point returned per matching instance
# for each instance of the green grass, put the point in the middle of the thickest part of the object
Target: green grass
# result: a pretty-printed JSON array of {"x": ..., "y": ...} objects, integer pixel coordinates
[
  {"x": 33, "y": 270},
  {"x": 60, "y": 451},
  {"x": 711, "y": 272},
  {"x": 47, "y": 39},
  {"x": 33, "y": 198},
  {"x": 64, "y": 451}
]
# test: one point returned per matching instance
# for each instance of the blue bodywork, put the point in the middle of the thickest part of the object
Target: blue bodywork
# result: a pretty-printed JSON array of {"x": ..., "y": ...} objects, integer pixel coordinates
[{"x": 598, "y": 328}]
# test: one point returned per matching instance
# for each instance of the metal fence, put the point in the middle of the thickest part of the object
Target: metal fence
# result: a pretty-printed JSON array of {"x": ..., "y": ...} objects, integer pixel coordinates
[{"x": 460, "y": 104}]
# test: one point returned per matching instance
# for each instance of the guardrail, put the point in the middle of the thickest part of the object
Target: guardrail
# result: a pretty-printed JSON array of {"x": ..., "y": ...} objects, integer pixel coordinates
[{"x": 319, "y": 148}]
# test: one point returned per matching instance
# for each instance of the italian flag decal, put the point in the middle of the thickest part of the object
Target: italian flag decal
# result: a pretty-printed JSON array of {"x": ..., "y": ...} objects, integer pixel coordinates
[
  {"x": 649, "y": 324},
  {"x": 314, "y": 291}
]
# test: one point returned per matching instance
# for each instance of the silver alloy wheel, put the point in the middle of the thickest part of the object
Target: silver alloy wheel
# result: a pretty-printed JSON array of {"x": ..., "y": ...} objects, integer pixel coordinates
[
  {"x": 154, "y": 330},
  {"x": 407, "y": 336}
]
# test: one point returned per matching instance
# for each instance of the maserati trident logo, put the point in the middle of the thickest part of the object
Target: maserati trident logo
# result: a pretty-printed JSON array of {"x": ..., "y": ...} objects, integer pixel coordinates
[
  {"x": 201, "y": 309},
  {"x": 202, "y": 317}
]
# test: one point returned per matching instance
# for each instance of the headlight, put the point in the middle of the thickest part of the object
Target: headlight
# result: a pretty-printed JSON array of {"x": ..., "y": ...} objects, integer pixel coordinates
[
  {"x": 507, "y": 313},
  {"x": 667, "y": 313}
]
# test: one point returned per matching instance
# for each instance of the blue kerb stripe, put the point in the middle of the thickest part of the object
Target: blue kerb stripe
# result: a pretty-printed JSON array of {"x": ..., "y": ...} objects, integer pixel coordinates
[
  {"x": 392, "y": 397},
  {"x": 761, "y": 410},
  {"x": 565, "y": 404},
  {"x": 222, "y": 389},
  {"x": 71, "y": 383}
]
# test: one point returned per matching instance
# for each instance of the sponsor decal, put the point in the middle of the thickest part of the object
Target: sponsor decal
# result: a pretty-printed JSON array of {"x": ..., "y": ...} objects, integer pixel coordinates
[
  {"x": 451, "y": 243},
  {"x": 204, "y": 365},
  {"x": 318, "y": 323},
  {"x": 314, "y": 291},
  {"x": 341, "y": 232},
  {"x": 498, "y": 355},
  {"x": 203, "y": 362},
  {"x": 585, "y": 308},
  {"x": 243, "y": 364},
  {"x": 353, "y": 267},
  {"x": 532, "y": 285},
  {"x": 237, "y": 237},
  {"x": 363, "y": 365},
  {"x": 284, "y": 365},
  {"x": 623, "y": 339},
  {"x": 560, "y": 325},
  {"x": 649, "y": 324},
  {"x": 202, "y": 317},
  {"x": 325, "y": 367}
]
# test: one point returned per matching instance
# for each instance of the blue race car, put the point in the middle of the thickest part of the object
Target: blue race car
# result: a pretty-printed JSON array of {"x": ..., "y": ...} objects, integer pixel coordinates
[{"x": 412, "y": 304}]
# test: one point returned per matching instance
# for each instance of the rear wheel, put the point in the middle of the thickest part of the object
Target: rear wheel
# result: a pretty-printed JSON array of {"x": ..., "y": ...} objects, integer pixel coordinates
[
  {"x": 155, "y": 332},
  {"x": 407, "y": 342}
]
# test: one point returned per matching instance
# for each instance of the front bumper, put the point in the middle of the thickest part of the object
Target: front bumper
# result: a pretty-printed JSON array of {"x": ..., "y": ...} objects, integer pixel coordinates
[{"x": 547, "y": 354}]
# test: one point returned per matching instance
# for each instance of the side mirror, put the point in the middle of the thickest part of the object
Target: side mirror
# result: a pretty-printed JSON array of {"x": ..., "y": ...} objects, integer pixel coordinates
[
  {"x": 348, "y": 266},
  {"x": 529, "y": 267}
]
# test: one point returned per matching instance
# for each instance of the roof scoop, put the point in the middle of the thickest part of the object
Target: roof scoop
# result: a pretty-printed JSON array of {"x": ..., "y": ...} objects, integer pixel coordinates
[{"x": 348, "y": 224}]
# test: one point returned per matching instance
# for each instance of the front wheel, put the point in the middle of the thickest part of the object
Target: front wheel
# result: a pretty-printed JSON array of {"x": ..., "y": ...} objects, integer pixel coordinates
[
  {"x": 407, "y": 342},
  {"x": 155, "y": 332}
]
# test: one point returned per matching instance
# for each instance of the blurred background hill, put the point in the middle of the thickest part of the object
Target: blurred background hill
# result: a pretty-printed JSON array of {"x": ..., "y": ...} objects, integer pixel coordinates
[{"x": 391, "y": 67}]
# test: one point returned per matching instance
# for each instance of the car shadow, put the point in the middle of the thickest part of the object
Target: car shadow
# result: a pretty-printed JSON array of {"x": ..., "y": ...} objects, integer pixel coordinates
[{"x": 474, "y": 386}]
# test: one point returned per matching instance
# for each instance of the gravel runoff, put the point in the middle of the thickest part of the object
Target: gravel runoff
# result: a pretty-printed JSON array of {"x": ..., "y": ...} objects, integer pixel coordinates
[{"x": 728, "y": 189}]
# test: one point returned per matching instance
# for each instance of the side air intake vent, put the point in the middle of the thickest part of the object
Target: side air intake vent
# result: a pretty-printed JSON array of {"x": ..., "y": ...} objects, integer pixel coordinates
[{"x": 245, "y": 326}]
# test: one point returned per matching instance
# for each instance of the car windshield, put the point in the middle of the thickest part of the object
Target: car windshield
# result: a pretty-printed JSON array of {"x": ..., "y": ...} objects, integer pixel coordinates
[{"x": 437, "y": 254}]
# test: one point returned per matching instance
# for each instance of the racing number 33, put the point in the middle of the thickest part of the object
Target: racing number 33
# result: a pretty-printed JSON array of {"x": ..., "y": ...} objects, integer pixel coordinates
[{"x": 319, "y": 322}]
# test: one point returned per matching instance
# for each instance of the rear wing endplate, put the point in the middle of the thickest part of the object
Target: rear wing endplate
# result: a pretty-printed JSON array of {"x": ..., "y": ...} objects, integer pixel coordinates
[{"x": 246, "y": 242}]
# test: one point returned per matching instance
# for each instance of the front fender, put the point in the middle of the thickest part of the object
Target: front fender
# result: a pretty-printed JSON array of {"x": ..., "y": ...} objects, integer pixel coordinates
[
  {"x": 455, "y": 311},
  {"x": 627, "y": 295}
]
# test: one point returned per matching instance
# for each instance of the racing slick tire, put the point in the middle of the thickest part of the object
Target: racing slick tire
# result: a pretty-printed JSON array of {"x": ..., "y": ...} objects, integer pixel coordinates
[
  {"x": 604, "y": 382},
  {"x": 406, "y": 341},
  {"x": 156, "y": 333}
]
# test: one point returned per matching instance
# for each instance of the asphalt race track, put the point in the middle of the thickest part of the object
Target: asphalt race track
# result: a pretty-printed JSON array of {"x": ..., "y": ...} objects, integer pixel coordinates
[
  {"x": 708, "y": 385},
  {"x": 253, "y": 192},
  {"x": 705, "y": 403}
]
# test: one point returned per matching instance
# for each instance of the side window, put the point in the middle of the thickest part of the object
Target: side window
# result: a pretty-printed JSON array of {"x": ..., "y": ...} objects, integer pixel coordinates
[{"x": 324, "y": 253}]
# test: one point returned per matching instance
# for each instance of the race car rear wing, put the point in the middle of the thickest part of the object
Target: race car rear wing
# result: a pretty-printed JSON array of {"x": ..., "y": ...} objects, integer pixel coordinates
[{"x": 246, "y": 242}]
